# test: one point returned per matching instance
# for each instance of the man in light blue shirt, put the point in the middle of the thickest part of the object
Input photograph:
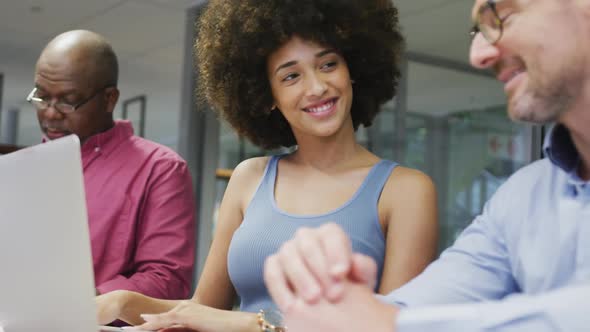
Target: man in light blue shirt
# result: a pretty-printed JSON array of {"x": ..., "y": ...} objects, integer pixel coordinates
[{"x": 524, "y": 263}]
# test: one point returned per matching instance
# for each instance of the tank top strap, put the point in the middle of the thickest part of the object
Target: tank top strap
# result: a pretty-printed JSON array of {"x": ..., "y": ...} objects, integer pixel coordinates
[
  {"x": 260, "y": 200},
  {"x": 270, "y": 174},
  {"x": 376, "y": 180}
]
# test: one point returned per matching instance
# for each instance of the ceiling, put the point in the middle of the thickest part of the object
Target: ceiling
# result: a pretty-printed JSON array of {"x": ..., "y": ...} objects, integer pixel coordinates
[{"x": 148, "y": 37}]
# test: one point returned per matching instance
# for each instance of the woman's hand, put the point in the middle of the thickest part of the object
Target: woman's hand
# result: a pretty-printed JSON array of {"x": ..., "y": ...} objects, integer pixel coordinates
[
  {"x": 192, "y": 316},
  {"x": 109, "y": 306},
  {"x": 186, "y": 314}
]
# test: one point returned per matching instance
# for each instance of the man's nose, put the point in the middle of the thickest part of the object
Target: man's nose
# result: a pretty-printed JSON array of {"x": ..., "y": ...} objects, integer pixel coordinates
[
  {"x": 51, "y": 113},
  {"x": 482, "y": 54}
]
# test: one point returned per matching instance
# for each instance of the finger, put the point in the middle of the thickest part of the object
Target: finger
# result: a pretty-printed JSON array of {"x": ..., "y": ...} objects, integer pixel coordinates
[
  {"x": 311, "y": 251},
  {"x": 277, "y": 284},
  {"x": 364, "y": 270},
  {"x": 177, "y": 329},
  {"x": 103, "y": 318},
  {"x": 298, "y": 275},
  {"x": 337, "y": 248},
  {"x": 156, "y": 322},
  {"x": 173, "y": 328}
]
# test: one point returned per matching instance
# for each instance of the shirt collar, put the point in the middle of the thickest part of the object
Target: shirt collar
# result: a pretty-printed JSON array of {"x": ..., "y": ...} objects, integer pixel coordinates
[
  {"x": 560, "y": 149},
  {"x": 106, "y": 141}
]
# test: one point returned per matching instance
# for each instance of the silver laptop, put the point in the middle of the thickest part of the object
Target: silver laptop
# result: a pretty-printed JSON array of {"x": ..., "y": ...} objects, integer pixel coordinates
[{"x": 46, "y": 277}]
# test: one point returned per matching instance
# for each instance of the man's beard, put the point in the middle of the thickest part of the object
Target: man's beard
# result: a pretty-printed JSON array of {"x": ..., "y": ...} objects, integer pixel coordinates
[{"x": 546, "y": 104}]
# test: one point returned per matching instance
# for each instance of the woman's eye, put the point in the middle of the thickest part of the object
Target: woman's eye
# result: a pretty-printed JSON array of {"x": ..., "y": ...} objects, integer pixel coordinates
[
  {"x": 290, "y": 77},
  {"x": 329, "y": 65}
]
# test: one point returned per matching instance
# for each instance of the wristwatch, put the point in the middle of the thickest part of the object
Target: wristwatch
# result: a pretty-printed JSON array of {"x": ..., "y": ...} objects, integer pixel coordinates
[{"x": 270, "y": 321}]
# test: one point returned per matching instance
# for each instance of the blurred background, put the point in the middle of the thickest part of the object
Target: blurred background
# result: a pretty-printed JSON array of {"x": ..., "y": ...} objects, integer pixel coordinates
[{"x": 448, "y": 119}]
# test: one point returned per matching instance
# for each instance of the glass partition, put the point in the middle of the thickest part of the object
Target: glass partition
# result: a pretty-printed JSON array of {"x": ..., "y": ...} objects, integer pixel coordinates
[{"x": 455, "y": 129}]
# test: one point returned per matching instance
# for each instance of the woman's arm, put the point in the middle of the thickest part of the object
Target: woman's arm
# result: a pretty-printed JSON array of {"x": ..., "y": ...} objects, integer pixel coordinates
[
  {"x": 215, "y": 288},
  {"x": 128, "y": 305},
  {"x": 154, "y": 314},
  {"x": 410, "y": 208},
  {"x": 198, "y": 317},
  {"x": 210, "y": 307}
]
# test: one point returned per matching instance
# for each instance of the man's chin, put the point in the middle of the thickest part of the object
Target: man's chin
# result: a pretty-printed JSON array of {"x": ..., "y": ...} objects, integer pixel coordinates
[
  {"x": 522, "y": 109},
  {"x": 55, "y": 135},
  {"x": 532, "y": 115}
]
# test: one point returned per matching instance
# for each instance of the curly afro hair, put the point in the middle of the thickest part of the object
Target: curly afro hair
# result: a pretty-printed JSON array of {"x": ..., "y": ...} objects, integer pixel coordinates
[{"x": 235, "y": 39}]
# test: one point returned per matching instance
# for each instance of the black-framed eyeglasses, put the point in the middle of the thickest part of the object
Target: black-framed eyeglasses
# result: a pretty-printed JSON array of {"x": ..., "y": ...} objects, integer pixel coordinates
[
  {"x": 65, "y": 108},
  {"x": 489, "y": 22}
]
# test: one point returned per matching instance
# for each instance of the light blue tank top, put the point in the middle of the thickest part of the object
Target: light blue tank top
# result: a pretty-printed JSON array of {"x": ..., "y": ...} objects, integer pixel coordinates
[{"x": 266, "y": 227}]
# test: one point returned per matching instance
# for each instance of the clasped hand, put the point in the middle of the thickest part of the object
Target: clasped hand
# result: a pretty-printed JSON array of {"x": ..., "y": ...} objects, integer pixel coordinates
[{"x": 321, "y": 285}]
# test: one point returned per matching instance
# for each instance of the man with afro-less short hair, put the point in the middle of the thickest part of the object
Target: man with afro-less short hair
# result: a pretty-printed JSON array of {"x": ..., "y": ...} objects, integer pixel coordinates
[{"x": 139, "y": 194}]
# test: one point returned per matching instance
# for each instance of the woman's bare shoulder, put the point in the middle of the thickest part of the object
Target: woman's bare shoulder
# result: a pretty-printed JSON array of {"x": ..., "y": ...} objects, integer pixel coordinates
[
  {"x": 409, "y": 183},
  {"x": 251, "y": 168},
  {"x": 245, "y": 179}
]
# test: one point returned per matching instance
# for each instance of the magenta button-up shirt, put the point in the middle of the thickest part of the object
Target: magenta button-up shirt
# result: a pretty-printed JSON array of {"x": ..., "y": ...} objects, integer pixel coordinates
[{"x": 141, "y": 214}]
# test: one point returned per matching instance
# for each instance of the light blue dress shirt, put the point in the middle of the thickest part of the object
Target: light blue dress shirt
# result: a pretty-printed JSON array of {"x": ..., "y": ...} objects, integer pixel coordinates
[{"x": 522, "y": 265}]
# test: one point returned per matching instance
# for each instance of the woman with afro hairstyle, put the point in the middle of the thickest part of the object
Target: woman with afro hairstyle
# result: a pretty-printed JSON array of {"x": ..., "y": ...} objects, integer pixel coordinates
[{"x": 303, "y": 74}]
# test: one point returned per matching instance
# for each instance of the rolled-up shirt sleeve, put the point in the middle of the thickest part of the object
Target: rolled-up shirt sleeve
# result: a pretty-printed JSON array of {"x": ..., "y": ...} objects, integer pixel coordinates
[
  {"x": 162, "y": 266},
  {"x": 476, "y": 268},
  {"x": 565, "y": 309},
  {"x": 472, "y": 287}
]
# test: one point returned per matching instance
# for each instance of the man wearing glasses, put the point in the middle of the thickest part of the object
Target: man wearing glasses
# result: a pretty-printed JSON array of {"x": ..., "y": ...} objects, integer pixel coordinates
[
  {"x": 524, "y": 263},
  {"x": 139, "y": 193}
]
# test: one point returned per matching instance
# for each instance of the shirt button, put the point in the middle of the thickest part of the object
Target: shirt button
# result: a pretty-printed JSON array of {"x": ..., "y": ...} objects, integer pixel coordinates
[{"x": 96, "y": 149}]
